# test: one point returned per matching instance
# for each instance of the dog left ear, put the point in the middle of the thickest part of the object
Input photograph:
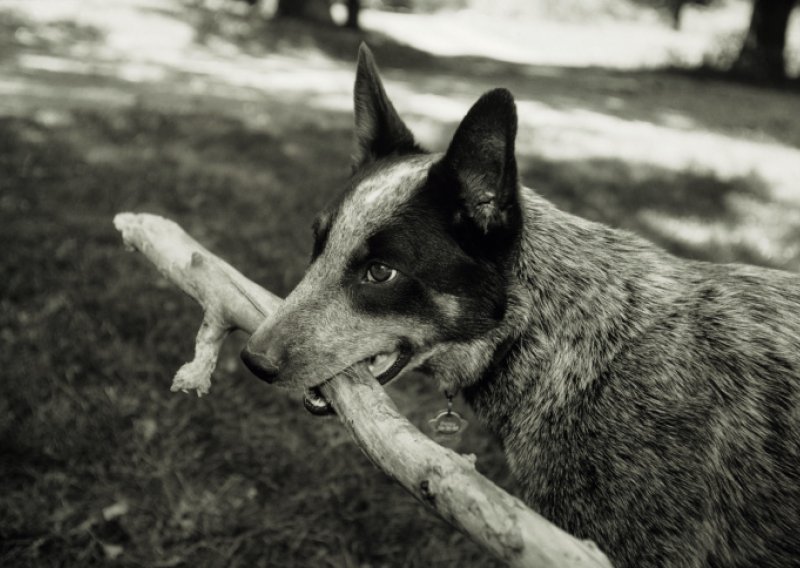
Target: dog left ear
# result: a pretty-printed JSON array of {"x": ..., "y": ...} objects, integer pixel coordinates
[
  {"x": 480, "y": 161},
  {"x": 380, "y": 131}
]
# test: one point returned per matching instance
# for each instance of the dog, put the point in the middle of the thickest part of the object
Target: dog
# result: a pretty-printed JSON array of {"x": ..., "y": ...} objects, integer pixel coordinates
[{"x": 646, "y": 402}]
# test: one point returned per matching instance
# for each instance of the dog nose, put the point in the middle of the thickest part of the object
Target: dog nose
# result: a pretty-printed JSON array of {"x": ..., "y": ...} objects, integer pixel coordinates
[{"x": 260, "y": 366}]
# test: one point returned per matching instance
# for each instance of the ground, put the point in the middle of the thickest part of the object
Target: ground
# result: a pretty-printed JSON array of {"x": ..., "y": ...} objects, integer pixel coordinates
[{"x": 239, "y": 129}]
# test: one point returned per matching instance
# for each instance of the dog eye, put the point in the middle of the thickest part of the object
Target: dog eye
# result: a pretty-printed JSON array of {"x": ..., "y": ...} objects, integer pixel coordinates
[{"x": 378, "y": 273}]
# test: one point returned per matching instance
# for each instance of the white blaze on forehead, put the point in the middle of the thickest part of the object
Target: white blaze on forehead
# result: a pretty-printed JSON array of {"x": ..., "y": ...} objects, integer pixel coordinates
[{"x": 373, "y": 203}]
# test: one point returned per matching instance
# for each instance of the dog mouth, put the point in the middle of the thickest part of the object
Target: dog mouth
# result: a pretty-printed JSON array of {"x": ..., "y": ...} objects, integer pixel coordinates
[
  {"x": 383, "y": 367},
  {"x": 386, "y": 366}
]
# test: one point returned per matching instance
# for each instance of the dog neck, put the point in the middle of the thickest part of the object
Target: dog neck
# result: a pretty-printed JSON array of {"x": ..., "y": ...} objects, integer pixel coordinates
[{"x": 580, "y": 293}]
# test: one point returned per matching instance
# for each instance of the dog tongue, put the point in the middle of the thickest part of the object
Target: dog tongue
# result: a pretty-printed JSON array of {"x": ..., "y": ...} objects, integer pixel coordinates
[{"x": 382, "y": 363}]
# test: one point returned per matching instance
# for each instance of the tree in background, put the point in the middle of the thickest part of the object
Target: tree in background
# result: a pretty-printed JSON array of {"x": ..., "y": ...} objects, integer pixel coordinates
[
  {"x": 353, "y": 8},
  {"x": 674, "y": 8},
  {"x": 762, "y": 54},
  {"x": 318, "y": 11}
]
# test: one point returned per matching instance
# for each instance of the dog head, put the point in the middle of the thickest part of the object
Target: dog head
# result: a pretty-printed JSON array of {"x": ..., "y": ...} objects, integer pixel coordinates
[{"x": 409, "y": 269}]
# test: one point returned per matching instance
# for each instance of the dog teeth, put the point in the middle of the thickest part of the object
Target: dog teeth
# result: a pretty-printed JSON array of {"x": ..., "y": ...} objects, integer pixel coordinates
[
  {"x": 314, "y": 397},
  {"x": 381, "y": 363},
  {"x": 315, "y": 403}
]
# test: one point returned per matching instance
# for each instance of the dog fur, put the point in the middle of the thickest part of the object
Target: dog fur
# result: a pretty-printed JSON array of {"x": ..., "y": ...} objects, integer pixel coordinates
[{"x": 646, "y": 402}]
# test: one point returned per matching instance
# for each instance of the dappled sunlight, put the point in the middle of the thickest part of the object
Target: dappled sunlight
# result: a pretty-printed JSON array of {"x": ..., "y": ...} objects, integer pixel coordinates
[
  {"x": 52, "y": 64},
  {"x": 676, "y": 120},
  {"x": 583, "y": 134},
  {"x": 33, "y": 93},
  {"x": 143, "y": 53},
  {"x": 149, "y": 55},
  {"x": 767, "y": 235},
  {"x": 633, "y": 43},
  {"x": 640, "y": 43},
  {"x": 675, "y": 142},
  {"x": 630, "y": 45},
  {"x": 240, "y": 128},
  {"x": 694, "y": 213}
]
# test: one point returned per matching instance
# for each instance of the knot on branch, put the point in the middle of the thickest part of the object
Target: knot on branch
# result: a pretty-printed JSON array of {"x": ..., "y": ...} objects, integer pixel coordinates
[
  {"x": 447, "y": 481},
  {"x": 196, "y": 374}
]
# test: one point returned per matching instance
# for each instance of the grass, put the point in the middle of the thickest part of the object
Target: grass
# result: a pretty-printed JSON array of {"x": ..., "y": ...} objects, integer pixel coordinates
[
  {"x": 101, "y": 463},
  {"x": 91, "y": 335}
]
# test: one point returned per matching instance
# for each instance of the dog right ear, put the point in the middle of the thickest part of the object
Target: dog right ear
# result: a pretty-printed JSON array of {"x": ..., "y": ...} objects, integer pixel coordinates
[
  {"x": 379, "y": 131},
  {"x": 480, "y": 167}
]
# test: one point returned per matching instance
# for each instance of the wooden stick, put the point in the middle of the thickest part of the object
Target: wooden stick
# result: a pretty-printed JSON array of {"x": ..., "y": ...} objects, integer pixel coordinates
[{"x": 445, "y": 481}]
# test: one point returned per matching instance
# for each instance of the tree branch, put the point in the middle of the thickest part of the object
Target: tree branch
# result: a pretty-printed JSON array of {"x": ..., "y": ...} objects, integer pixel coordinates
[{"x": 440, "y": 478}]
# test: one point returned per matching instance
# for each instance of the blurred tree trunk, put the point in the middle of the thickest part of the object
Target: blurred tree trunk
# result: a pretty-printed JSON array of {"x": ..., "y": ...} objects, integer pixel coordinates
[
  {"x": 761, "y": 56},
  {"x": 353, "y": 7},
  {"x": 312, "y": 10},
  {"x": 675, "y": 9}
]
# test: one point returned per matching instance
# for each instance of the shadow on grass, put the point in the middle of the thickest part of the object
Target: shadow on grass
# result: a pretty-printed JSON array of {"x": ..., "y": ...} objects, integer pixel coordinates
[
  {"x": 678, "y": 100},
  {"x": 106, "y": 463},
  {"x": 709, "y": 72},
  {"x": 693, "y": 214},
  {"x": 256, "y": 34},
  {"x": 51, "y": 37},
  {"x": 103, "y": 462},
  {"x": 698, "y": 99},
  {"x": 90, "y": 336}
]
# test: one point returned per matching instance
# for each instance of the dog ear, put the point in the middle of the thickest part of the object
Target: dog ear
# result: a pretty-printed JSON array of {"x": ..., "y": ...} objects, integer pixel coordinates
[
  {"x": 480, "y": 162},
  {"x": 379, "y": 131}
]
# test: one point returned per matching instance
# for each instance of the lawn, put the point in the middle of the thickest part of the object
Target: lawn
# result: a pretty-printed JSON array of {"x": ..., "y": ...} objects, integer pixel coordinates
[{"x": 240, "y": 131}]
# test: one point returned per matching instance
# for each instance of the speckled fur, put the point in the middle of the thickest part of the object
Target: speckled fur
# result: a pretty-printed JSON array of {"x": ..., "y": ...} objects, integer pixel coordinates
[{"x": 649, "y": 403}]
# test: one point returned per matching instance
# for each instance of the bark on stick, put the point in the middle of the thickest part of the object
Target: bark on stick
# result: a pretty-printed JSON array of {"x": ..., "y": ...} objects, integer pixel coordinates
[{"x": 443, "y": 480}]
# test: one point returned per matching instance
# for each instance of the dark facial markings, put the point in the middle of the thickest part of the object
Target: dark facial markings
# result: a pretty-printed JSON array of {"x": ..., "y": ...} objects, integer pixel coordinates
[
  {"x": 450, "y": 273},
  {"x": 496, "y": 246},
  {"x": 421, "y": 246},
  {"x": 322, "y": 224}
]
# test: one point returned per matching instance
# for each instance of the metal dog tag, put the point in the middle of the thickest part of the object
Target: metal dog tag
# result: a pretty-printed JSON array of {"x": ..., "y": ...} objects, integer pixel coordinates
[{"x": 447, "y": 426}]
